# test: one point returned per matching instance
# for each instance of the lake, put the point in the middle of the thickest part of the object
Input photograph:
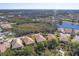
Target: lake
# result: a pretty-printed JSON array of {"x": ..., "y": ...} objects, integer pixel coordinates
[{"x": 68, "y": 26}]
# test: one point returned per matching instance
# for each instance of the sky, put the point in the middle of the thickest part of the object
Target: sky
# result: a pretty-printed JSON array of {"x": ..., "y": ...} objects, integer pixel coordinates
[{"x": 39, "y": 5}]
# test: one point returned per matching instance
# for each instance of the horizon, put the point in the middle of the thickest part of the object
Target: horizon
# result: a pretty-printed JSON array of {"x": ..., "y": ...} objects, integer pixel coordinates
[{"x": 48, "y": 6}]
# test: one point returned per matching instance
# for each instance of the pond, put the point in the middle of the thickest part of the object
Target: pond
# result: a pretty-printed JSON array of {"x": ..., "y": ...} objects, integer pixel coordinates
[{"x": 66, "y": 25}]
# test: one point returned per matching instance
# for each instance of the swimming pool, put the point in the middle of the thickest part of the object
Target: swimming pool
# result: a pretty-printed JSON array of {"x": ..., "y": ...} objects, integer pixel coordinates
[{"x": 69, "y": 26}]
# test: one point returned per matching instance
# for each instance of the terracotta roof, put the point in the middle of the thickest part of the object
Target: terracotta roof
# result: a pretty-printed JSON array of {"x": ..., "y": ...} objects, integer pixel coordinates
[
  {"x": 4, "y": 46},
  {"x": 68, "y": 31},
  {"x": 51, "y": 37},
  {"x": 7, "y": 44},
  {"x": 39, "y": 38},
  {"x": 27, "y": 40}
]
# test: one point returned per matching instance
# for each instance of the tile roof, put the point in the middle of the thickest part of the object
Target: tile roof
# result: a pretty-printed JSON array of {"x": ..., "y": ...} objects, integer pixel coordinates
[
  {"x": 51, "y": 37},
  {"x": 16, "y": 43},
  {"x": 39, "y": 38},
  {"x": 4, "y": 46},
  {"x": 27, "y": 40}
]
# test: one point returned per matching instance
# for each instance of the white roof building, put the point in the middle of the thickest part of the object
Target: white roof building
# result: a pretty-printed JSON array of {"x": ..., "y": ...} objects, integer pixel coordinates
[
  {"x": 75, "y": 39},
  {"x": 16, "y": 43},
  {"x": 63, "y": 37}
]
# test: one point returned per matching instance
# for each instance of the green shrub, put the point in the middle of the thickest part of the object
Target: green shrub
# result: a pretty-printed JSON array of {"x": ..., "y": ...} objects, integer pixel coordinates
[
  {"x": 9, "y": 52},
  {"x": 29, "y": 50}
]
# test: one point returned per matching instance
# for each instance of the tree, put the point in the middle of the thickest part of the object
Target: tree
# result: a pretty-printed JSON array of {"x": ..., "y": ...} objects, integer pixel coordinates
[
  {"x": 78, "y": 21},
  {"x": 72, "y": 20},
  {"x": 41, "y": 46},
  {"x": 60, "y": 22},
  {"x": 52, "y": 44},
  {"x": 47, "y": 52},
  {"x": 72, "y": 34},
  {"x": 75, "y": 48},
  {"x": 29, "y": 50}
]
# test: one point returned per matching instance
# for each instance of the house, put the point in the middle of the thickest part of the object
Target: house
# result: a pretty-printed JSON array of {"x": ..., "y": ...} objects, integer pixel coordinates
[
  {"x": 39, "y": 38},
  {"x": 7, "y": 44},
  {"x": 51, "y": 37},
  {"x": 61, "y": 30},
  {"x": 64, "y": 30},
  {"x": 68, "y": 30},
  {"x": 63, "y": 37},
  {"x": 4, "y": 46},
  {"x": 1, "y": 30},
  {"x": 16, "y": 43},
  {"x": 75, "y": 39},
  {"x": 77, "y": 31},
  {"x": 68, "y": 35},
  {"x": 6, "y": 25},
  {"x": 1, "y": 39},
  {"x": 2, "y": 36},
  {"x": 27, "y": 40}
]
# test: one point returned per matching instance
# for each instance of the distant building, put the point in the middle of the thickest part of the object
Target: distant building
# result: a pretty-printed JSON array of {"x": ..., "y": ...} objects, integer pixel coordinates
[
  {"x": 6, "y": 26},
  {"x": 1, "y": 30},
  {"x": 2, "y": 37},
  {"x": 61, "y": 30},
  {"x": 75, "y": 39},
  {"x": 63, "y": 37}
]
